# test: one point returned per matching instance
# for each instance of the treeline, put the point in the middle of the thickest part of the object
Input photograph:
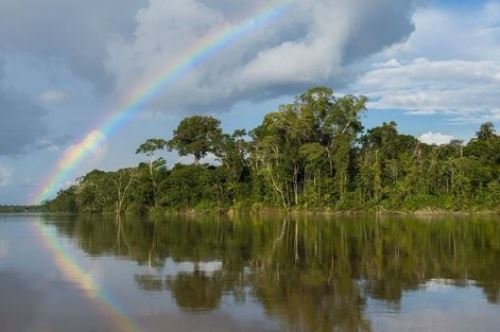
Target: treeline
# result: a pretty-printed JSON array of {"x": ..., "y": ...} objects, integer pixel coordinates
[
  {"x": 313, "y": 153},
  {"x": 20, "y": 209}
]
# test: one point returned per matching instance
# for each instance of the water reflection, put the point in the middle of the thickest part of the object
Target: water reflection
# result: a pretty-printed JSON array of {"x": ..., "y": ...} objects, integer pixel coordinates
[
  {"x": 18, "y": 302},
  {"x": 310, "y": 274}
]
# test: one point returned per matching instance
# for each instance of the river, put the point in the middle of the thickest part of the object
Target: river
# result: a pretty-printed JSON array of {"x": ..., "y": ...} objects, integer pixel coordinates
[{"x": 274, "y": 273}]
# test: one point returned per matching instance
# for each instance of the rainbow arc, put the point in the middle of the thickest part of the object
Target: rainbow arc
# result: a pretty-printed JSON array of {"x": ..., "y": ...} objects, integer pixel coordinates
[
  {"x": 152, "y": 86},
  {"x": 133, "y": 102}
]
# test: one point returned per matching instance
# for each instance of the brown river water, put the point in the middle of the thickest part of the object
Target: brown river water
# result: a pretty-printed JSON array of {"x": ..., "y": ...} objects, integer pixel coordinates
[{"x": 368, "y": 273}]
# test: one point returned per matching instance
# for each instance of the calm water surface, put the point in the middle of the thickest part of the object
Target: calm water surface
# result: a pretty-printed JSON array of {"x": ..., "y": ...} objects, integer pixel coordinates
[{"x": 81, "y": 273}]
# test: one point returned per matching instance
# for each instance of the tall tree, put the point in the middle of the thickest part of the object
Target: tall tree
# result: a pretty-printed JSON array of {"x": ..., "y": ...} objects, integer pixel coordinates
[
  {"x": 196, "y": 135},
  {"x": 155, "y": 164},
  {"x": 121, "y": 181},
  {"x": 345, "y": 124},
  {"x": 232, "y": 152},
  {"x": 486, "y": 131}
]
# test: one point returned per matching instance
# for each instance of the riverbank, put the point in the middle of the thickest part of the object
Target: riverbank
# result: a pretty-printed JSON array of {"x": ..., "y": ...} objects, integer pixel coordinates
[
  {"x": 270, "y": 211},
  {"x": 327, "y": 212}
]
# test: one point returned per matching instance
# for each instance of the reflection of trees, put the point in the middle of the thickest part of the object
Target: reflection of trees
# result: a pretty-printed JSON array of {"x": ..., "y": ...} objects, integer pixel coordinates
[
  {"x": 195, "y": 291},
  {"x": 491, "y": 290},
  {"x": 149, "y": 282},
  {"x": 310, "y": 273},
  {"x": 313, "y": 274},
  {"x": 311, "y": 303}
]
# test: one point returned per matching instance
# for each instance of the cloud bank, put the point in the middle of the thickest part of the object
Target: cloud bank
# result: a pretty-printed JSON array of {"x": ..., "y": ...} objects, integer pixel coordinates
[
  {"x": 117, "y": 43},
  {"x": 464, "y": 90},
  {"x": 313, "y": 43},
  {"x": 333, "y": 42},
  {"x": 114, "y": 44},
  {"x": 75, "y": 32},
  {"x": 21, "y": 122}
]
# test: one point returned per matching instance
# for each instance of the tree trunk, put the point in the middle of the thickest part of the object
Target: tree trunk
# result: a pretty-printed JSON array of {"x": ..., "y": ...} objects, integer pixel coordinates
[
  {"x": 295, "y": 183},
  {"x": 152, "y": 174}
]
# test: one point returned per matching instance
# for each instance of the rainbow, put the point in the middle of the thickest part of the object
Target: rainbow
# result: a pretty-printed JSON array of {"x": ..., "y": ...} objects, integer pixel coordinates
[
  {"x": 84, "y": 281},
  {"x": 134, "y": 101},
  {"x": 150, "y": 87}
]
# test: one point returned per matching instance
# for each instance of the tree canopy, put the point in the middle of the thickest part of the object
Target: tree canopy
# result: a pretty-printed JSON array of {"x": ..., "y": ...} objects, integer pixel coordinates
[
  {"x": 312, "y": 153},
  {"x": 196, "y": 135}
]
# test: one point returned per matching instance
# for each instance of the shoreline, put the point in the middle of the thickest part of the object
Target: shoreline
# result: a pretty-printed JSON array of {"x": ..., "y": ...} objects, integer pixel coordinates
[
  {"x": 230, "y": 212},
  {"x": 329, "y": 212}
]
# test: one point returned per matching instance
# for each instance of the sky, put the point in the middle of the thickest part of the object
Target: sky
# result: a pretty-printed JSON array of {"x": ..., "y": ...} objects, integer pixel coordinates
[{"x": 432, "y": 66}]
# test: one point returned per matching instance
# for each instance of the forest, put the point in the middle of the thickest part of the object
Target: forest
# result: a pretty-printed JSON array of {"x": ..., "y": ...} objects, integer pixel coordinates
[{"x": 312, "y": 154}]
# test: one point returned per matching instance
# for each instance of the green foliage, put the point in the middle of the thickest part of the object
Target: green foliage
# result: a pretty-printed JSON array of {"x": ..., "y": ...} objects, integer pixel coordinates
[
  {"x": 156, "y": 166},
  {"x": 66, "y": 201},
  {"x": 308, "y": 154},
  {"x": 151, "y": 146},
  {"x": 196, "y": 135},
  {"x": 193, "y": 186}
]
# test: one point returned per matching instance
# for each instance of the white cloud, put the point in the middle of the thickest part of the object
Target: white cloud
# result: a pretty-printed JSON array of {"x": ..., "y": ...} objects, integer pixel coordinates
[
  {"x": 209, "y": 268},
  {"x": 392, "y": 63},
  {"x": 53, "y": 96},
  {"x": 435, "y": 72},
  {"x": 189, "y": 159},
  {"x": 311, "y": 44},
  {"x": 437, "y": 30},
  {"x": 5, "y": 175},
  {"x": 464, "y": 90},
  {"x": 435, "y": 138}
]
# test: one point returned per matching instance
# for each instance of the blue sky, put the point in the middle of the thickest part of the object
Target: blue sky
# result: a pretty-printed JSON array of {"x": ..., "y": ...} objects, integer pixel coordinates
[{"x": 432, "y": 66}]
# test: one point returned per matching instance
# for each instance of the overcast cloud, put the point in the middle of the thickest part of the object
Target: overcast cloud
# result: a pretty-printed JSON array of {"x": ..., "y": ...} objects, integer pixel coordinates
[
  {"x": 74, "y": 31},
  {"x": 117, "y": 43},
  {"x": 53, "y": 97},
  {"x": 5, "y": 174},
  {"x": 21, "y": 122},
  {"x": 307, "y": 46}
]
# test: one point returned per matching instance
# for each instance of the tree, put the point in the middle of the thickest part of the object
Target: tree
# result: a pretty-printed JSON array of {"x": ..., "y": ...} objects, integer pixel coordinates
[
  {"x": 150, "y": 148},
  {"x": 344, "y": 124},
  {"x": 486, "y": 131},
  {"x": 92, "y": 192},
  {"x": 268, "y": 157},
  {"x": 121, "y": 181},
  {"x": 232, "y": 151},
  {"x": 196, "y": 135}
]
